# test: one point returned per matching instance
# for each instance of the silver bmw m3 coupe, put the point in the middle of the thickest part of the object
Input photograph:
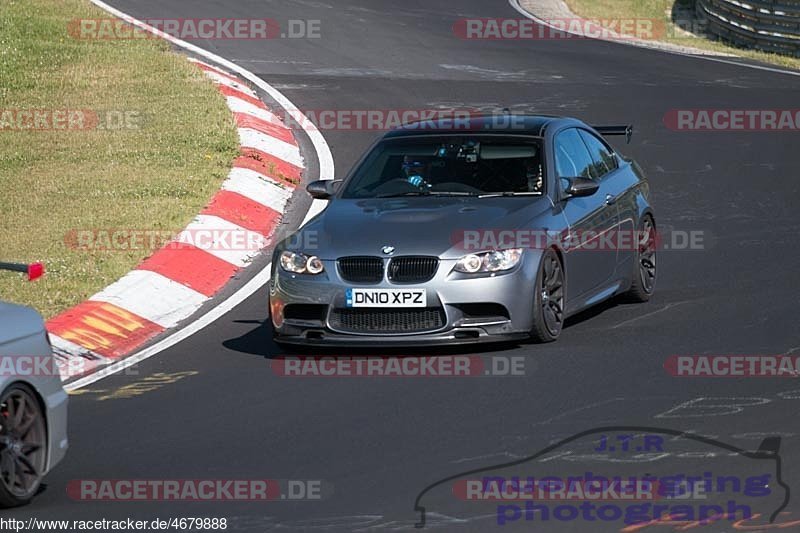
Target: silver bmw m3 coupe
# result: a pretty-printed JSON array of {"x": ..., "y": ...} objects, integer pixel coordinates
[{"x": 496, "y": 228}]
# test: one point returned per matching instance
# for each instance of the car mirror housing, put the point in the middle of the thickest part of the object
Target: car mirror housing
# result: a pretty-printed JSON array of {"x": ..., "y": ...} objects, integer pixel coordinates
[
  {"x": 579, "y": 187},
  {"x": 320, "y": 189}
]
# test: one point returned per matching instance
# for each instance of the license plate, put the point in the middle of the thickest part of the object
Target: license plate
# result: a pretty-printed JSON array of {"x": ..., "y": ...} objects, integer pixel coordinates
[{"x": 386, "y": 298}]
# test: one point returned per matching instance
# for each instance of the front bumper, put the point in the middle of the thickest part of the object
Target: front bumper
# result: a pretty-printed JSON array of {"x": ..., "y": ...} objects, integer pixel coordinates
[{"x": 503, "y": 302}]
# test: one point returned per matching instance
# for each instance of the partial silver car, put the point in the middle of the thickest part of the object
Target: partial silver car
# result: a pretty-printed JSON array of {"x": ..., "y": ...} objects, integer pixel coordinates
[
  {"x": 33, "y": 403},
  {"x": 497, "y": 229}
]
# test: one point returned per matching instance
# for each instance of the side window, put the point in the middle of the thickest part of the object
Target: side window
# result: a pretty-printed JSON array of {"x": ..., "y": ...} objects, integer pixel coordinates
[
  {"x": 572, "y": 157},
  {"x": 603, "y": 157}
]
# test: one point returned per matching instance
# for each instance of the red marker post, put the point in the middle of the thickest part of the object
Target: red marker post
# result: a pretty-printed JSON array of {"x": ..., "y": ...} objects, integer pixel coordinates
[{"x": 33, "y": 270}]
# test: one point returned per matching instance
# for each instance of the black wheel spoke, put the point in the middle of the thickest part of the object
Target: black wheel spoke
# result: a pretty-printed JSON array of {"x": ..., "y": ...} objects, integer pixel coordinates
[
  {"x": 24, "y": 428},
  {"x": 548, "y": 271},
  {"x": 28, "y": 465},
  {"x": 10, "y": 415},
  {"x": 5, "y": 457},
  {"x": 22, "y": 458},
  {"x": 555, "y": 282},
  {"x": 19, "y": 412},
  {"x": 11, "y": 470},
  {"x": 30, "y": 447}
]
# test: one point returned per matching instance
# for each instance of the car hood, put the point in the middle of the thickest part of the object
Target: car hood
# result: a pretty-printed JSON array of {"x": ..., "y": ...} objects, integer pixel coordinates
[{"x": 413, "y": 226}]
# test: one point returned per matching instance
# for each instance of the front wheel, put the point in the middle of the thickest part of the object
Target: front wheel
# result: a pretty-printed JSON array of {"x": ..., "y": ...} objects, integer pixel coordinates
[
  {"x": 548, "y": 307},
  {"x": 23, "y": 440},
  {"x": 644, "y": 265}
]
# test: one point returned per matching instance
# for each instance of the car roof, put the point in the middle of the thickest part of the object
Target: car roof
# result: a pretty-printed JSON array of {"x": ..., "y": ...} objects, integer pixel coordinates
[{"x": 508, "y": 123}]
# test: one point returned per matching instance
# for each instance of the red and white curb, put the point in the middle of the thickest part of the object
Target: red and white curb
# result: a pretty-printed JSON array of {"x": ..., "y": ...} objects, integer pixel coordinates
[{"x": 172, "y": 284}]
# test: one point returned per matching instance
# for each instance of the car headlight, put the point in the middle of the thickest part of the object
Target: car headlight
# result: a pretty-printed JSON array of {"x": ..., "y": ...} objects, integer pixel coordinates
[
  {"x": 494, "y": 261},
  {"x": 298, "y": 263}
]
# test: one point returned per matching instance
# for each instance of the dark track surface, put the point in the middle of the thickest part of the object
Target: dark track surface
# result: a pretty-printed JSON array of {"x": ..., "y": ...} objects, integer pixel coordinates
[{"x": 380, "y": 441}]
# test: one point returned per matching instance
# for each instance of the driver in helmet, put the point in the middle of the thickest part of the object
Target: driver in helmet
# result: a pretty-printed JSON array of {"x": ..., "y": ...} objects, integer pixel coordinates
[{"x": 414, "y": 171}]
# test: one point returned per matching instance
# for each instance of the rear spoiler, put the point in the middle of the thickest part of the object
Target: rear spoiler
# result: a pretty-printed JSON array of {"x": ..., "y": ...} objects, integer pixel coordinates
[
  {"x": 34, "y": 270},
  {"x": 627, "y": 131}
]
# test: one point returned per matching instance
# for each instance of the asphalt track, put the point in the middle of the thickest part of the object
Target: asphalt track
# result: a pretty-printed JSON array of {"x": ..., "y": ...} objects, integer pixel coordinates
[{"x": 216, "y": 409}]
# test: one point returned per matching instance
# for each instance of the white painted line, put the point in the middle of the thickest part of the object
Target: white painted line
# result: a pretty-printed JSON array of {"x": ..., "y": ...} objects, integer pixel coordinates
[
  {"x": 153, "y": 297},
  {"x": 326, "y": 171},
  {"x": 250, "y": 138},
  {"x": 209, "y": 65},
  {"x": 222, "y": 80},
  {"x": 223, "y": 239},
  {"x": 756, "y": 67},
  {"x": 258, "y": 188},
  {"x": 526, "y": 13},
  {"x": 237, "y": 105}
]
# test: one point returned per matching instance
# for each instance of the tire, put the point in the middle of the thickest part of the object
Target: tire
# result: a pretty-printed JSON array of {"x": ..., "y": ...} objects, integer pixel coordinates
[
  {"x": 548, "y": 299},
  {"x": 23, "y": 445},
  {"x": 643, "y": 278}
]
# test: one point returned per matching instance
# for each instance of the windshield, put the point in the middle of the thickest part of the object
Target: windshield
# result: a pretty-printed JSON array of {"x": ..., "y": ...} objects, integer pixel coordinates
[{"x": 449, "y": 166}]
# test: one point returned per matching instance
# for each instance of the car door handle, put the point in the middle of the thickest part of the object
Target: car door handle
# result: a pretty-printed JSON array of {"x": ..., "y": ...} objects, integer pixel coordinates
[{"x": 610, "y": 200}]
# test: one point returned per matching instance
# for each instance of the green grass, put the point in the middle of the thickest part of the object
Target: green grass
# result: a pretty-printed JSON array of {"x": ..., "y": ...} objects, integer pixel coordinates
[
  {"x": 662, "y": 10},
  {"x": 155, "y": 175}
]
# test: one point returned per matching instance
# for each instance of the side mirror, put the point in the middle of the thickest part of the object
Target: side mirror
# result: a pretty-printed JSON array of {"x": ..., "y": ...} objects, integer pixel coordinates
[
  {"x": 579, "y": 187},
  {"x": 320, "y": 189}
]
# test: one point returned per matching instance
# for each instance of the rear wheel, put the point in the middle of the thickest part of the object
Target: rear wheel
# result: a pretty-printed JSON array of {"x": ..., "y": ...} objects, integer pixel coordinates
[
  {"x": 644, "y": 268},
  {"x": 23, "y": 439},
  {"x": 548, "y": 307}
]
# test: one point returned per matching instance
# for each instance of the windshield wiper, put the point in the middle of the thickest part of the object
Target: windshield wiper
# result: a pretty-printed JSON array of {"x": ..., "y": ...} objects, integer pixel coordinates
[
  {"x": 508, "y": 193},
  {"x": 406, "y": 193},
  {"x": 426, "y": 193}
]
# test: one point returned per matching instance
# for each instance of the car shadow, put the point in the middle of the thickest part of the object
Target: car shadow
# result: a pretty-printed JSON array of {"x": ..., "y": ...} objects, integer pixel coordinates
[
  {"x": 258, "y": 341},
  {"x": 592, "y": 312}
]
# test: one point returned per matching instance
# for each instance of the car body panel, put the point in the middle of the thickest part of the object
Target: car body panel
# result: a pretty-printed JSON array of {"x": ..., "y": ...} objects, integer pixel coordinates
[{"x": 427, "y": 226}]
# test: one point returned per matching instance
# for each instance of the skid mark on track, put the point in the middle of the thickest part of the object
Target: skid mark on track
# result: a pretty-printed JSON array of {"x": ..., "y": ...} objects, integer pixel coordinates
[
  {"x": 507, "y": 455},
  {"x": 579, "y": 409},
  {"x": 651, "y": 313},
  {"x": 132, "y": 390}
]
